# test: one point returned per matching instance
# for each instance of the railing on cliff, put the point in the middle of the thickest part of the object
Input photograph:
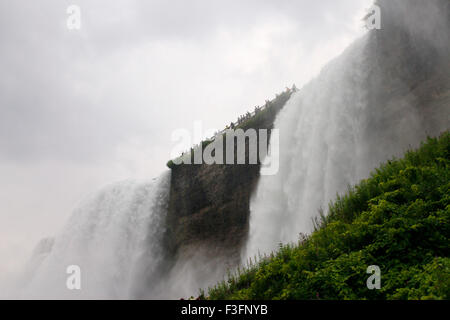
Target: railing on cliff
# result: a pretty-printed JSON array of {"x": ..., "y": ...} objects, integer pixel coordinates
[{"x": 246, "y": 121}]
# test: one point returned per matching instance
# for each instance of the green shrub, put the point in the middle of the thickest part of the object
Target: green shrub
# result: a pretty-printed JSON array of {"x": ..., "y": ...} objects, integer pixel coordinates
[{"x": 398, "y": 219}]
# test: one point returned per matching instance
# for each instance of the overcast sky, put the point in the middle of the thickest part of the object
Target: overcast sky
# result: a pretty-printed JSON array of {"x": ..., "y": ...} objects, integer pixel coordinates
[{"x": 80, "y": 109}]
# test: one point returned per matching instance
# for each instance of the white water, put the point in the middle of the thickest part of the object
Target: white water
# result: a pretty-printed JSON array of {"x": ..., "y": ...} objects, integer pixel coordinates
[
  {"x": 113, "y": 237},
  {"x": 320, "y": 153},
  {"x": 330, "y": 138}
]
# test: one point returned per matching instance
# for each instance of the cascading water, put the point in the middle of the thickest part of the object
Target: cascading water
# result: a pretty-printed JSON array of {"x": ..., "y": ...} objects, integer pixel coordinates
[
  {"x": 356, "y": 114},
  {"x": 320, "y": 153},
  {"x": 114, "y": 238}
]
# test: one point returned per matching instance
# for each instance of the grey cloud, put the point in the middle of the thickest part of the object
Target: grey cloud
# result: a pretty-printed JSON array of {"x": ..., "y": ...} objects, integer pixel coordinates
[{"x": 43, "y": 114}]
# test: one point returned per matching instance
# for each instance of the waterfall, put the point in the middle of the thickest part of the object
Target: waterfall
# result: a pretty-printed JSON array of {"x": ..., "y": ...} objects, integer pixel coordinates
[
  {"x": 114, "y": 237},
  {"x": 321, "y": 149},
  {"x": 360, "y": 111}
]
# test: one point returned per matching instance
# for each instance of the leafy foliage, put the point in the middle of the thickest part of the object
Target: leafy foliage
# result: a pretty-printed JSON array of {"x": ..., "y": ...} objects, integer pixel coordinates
[{"x": 398, "y": 219}]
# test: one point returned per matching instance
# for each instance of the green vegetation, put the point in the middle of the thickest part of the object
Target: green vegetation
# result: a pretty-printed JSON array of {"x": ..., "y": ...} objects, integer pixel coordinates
[
  {"x": 258, "y": 121},
  {"x": 398, "y": 219}
]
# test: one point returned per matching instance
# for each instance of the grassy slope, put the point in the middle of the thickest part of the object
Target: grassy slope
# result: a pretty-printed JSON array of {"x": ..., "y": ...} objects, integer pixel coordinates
[{"x": 398, "y": 219}]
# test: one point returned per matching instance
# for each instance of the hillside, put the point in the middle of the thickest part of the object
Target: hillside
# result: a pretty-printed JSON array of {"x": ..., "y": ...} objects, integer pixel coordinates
[{"x": 398, "y": 219}]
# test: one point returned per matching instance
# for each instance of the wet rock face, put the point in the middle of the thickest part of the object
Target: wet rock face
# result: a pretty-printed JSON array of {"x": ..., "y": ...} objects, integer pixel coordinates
[
  {"x": 209, "y": 204},
  {"x": 409, "y": 66}
]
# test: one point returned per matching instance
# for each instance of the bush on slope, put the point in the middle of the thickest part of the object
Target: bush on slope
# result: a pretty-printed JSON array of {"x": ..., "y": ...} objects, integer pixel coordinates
[{"x": 398, "y": 219}]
